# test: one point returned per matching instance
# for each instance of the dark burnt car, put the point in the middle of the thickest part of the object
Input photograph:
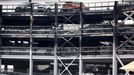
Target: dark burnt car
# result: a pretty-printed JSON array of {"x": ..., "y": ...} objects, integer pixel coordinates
[
  {"x": 73, "y": 7},
  {"x": 25, "y": 7}
]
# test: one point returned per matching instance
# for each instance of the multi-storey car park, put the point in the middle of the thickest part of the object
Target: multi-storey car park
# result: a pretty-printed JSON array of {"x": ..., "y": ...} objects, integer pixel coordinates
[{"x": 97, "y": 42}]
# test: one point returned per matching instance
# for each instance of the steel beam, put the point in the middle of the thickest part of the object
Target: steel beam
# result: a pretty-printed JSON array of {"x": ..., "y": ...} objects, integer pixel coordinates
[
  {"x": 66, "y": 67},
  {"x": 127, "y": 72},
  {"x": 55, "y": 40},
  {"x": 0, "y": 49},
  {"x": 67, "y": 41},
  {"x": 0, "y": 65},
  {"x": 5, "y": 68},
  {"x": 0, "y": 23},
  {"x": 80, "y": 40},
  {"x": 31, "y": 42},
  {"x": 0, "y": 10},
  {"x": 114, "y": 62},
  {"x": 0, "y": 33},
  {"x": 80, "y": 65}
]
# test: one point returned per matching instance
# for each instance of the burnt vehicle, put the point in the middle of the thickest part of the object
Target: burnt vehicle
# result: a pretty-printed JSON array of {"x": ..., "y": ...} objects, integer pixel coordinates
[
  {"x": 25, "y": 7},
  {"x": 73, "y": 7}
]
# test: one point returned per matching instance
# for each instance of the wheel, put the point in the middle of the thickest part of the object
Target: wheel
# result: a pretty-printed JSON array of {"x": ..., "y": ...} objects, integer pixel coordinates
[
  {"x": 48, "y": 10},
  {"x": 17, "y": 10}
]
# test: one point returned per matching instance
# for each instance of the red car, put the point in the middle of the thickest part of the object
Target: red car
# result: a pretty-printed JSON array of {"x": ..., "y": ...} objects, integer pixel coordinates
[{"x": 73, "y": 7}]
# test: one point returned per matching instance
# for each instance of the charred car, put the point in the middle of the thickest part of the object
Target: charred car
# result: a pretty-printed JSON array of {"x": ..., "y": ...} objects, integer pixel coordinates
[
  {"x": 73, "y": 7},
  {"x": 36, "y": 7}
]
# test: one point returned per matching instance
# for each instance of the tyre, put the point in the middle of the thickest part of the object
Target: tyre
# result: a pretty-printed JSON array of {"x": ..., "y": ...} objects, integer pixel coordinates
[{"x": 48, "y": 10}]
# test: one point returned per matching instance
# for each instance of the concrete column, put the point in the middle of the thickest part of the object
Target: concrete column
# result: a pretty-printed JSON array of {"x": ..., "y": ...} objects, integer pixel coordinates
[
  {"x": 108, "y": 69},
  {"x": 80, "y": 65},
  {"x": 31, "y": 41},
  {"x": 108, "y": 72},
  {"x": 0, "y": 24},
  {"x": 0, "y": 53},
  {"x": 55, "y": 66},
  {"x": 114, "y": 61},
  {"x": 84, "y": 67},
  {"x": 5, "y": 69},
  {"x": 0, "y": 65},
  {"x": 55, "y": 41},
  {"x": 0, "y": 9},
  {"x": 80, "y": 40}
]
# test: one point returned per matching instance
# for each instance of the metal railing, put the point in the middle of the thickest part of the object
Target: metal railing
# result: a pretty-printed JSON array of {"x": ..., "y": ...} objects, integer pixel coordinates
[
  {"x": 101, "y": 50},
  {"x": 65, "y": 51},
  {"x": 26, "y": 30},
  {"x": 65, "y": 30},
  {"x": 24, "y": 27},
  {"x": 100, "y": 6},
  {"x": 25, "y": 51},
  {"x": 21, "y": 73},
  {"x": 125, "y": 50},
  {"x": 97, "y": 30},
  {"x": 125, "y": 29}
]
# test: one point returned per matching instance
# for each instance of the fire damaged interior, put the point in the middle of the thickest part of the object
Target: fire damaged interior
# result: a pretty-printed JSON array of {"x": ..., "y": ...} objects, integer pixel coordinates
[{"x": 83, "y": 40}]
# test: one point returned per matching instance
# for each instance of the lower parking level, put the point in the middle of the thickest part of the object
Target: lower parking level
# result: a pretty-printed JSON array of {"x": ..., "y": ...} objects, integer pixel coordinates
[{"x": 64, "y": 67}]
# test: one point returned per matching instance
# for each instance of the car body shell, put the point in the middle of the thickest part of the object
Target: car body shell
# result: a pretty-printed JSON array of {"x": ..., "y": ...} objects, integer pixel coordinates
[
  {"x": 36, "y": 7},
  {"x": 73, "y": 7}
]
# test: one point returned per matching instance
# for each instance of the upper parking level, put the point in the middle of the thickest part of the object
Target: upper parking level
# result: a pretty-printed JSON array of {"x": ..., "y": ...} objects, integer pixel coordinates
[{"x": 37, "y": 9}]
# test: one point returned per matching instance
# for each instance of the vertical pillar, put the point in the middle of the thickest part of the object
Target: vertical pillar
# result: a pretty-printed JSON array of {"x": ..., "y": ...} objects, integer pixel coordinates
[
  {"x": 108, "y": 72},
  {"x": 55, "y": 40},
  {"x": 80, "y": 41},
  {"x": 5, "y": 69},
  {"x": 80, "y": 65},
  {"x": 114, "y": 63},
  {"x": 84, "y": 67},
  {"x": 0, "y": 33},
  {"x": 0, "y": 10},
  {"x": 108, "y": 69},
  {"x": 0, "y": 24},
  {"x": 31, "y": 41},
  {"x": 0, "y": 65}
]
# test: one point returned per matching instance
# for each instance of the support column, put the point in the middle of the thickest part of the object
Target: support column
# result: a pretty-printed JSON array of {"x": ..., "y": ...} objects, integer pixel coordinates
[
  {"x": 108, "y": 72},
  {"x": 31, "y": 41},
  {"x": 80, "y": 41},
  {"x": 0, "y": 10},
  {"x": 108, "y": 69},
  {"x": 0, "y": 33},
  {"x": 0, "y": 65},
  {"x": 5, "y": 69},
  {"x": 114, "y": 63},
  {"x": 84, "y": 67},
  {"x": 55, "y": 40},
  {"x": 80, "y": 65}
]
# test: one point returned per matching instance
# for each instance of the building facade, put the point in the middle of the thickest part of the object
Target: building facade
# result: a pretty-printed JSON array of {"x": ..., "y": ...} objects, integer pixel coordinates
[{"x": 69, "y": 42}]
